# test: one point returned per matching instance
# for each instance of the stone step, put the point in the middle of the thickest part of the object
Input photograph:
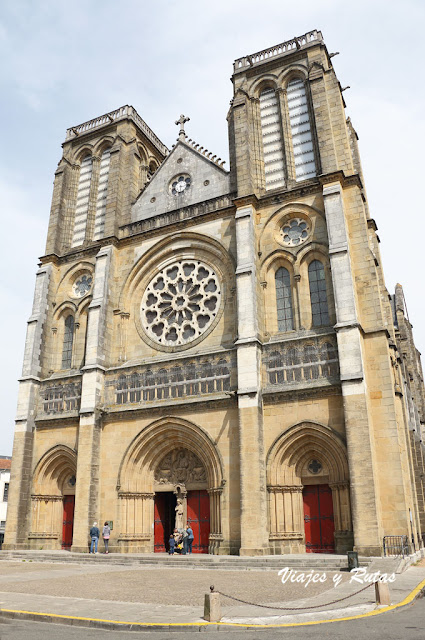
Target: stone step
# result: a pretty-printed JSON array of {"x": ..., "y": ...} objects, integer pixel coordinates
[{"x": 260, "y": 563}]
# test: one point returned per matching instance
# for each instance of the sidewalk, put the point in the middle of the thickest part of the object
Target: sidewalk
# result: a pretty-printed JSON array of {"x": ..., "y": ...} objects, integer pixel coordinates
[{"x": 101, "y": 595}]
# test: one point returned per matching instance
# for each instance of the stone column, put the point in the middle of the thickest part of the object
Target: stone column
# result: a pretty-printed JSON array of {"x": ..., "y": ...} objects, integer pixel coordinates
[
  {"x": 360, "y": 446},
  {"x": 18, "y": 511},
  {"x": 87, "y": 486},
  {"x": 254, "y": 535}
]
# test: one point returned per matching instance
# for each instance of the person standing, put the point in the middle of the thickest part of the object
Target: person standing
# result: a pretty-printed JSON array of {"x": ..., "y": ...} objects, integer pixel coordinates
[
  {"x": 189, "y": 538},
  {"x": 172, "y": 544},
  {"x": 106, "y": 535},
  {"x": 94, "y": 535}
]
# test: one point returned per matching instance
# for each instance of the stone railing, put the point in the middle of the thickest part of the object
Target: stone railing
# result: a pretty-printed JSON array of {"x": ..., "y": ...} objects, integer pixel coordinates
[
  {"x": 181, "y": 379},
  {"x": 122, "y": 113},
  {"x": 300, "y": 362},
  {"x": 60, "y": 397},
  {"x": 164, "y": 219},
  {"x": 280, "y": 49}
]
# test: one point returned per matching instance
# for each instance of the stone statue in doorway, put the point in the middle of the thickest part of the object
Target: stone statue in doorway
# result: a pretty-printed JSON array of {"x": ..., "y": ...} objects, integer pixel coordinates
[{"x": 179, "y": 513}]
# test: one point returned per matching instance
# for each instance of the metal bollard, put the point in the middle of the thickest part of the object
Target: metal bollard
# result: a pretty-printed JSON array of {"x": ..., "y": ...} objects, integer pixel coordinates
[
  {"x": 382, "y": 593},
  {"x": 212, "y": 606}
]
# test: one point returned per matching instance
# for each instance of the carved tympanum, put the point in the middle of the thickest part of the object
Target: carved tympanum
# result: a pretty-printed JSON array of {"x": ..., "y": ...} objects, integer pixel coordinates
[{"x": 180, "y": 466}]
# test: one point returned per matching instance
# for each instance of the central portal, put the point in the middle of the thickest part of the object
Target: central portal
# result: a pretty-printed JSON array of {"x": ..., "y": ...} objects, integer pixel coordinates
[
  {"x": 181, "y": 499},
  {"x": 198, "y": 518}
]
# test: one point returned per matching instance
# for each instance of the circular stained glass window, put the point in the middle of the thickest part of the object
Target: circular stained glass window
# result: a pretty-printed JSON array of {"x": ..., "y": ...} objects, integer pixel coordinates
[
  {"x": 314, "y": 466},
  {"x": 295, "y": 232},
  {"x": 180, "y": 184},
  {"x": 82, "y": 285},
  {"x": 180, "y": 303}
]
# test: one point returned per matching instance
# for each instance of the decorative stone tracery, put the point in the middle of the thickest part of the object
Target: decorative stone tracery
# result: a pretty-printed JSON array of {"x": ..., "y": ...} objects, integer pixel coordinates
[{"x": 180, "y": 303}]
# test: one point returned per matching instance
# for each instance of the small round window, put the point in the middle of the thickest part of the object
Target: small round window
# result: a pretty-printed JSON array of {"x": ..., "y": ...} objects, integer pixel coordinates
[
  {"x": 82, "y": 285},
  {"x": 180, "y": 184},
  {"x": 295, "y": 232}
]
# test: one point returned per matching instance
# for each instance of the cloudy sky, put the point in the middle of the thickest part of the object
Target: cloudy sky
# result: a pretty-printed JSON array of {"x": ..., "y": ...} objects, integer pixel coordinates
[{"x": 67, "y": 62}]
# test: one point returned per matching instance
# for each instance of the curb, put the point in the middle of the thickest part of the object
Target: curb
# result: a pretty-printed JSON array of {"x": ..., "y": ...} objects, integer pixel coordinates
[{"x": 117, "y": 625}]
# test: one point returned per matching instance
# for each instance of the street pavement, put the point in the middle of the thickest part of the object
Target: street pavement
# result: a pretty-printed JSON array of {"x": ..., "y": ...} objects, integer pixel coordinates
[
  {"x": 404, "y": 624},
  {"x": 164, "y": 596}
]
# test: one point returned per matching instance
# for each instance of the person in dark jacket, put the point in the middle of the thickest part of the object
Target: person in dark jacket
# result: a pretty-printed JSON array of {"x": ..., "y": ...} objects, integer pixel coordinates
[
  {"x": 94, "y": 535},
  {"x": 172, "y": 544}
]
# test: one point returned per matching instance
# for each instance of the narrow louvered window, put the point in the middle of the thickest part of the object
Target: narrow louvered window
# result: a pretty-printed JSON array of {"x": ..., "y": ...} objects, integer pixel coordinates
[
  {"x": 68, "y": 339},
  {"x": 274, "y": 167},
  {"x": 284, "y": 300},
  {"x": 318, "y": 295},
  {"x": 302, "y": 140},
  {"x": 82, "y": 206},
  {"x": 102, "y": 192}
]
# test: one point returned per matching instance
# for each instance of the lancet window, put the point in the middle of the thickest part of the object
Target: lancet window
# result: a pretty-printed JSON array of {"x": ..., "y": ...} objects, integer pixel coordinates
[
  {"x": 274, "y": 167},
  {"x": 285, "y": 320},
  {"x": 302, "y": 140},
  {"x": 318, "y": 294},
  {"x": 68, "y": 339},
  {"x": 83, "y": 198},
  {"x": 102, "y": 193}
]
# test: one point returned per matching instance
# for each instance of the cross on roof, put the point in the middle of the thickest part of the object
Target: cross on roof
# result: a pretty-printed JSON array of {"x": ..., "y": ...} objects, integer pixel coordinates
[{"x": 181, "y": 121}]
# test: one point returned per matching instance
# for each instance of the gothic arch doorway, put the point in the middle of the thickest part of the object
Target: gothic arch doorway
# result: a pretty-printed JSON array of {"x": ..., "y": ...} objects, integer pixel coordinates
[
  {"x": 172, "y": 458},
  {"x": 53, "y": 499},
  {"x": 308, "y": 486},
  {"x": 181, "y": 499}
]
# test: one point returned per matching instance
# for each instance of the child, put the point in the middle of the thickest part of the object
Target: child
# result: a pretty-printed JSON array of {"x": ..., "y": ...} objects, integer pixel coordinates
[{"x": 172, "y": 544}]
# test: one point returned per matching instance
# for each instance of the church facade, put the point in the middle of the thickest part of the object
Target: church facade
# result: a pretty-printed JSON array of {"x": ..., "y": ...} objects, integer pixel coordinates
[{"x": 218, "y": 347}]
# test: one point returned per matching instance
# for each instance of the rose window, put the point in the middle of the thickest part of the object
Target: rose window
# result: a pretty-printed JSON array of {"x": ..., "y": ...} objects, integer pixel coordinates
[
  {"x": 82, "y": 285},
  {"x": 180, "y": 303},
  {"x": 295, "y": 232},
  {"x": 180, "y": 184}
]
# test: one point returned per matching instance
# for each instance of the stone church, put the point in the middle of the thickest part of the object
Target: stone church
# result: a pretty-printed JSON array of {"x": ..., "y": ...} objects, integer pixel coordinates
[{"x": 219, "y": 344}]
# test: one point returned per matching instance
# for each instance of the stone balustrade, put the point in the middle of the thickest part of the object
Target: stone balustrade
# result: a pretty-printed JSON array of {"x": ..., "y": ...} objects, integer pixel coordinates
[
  {"x": 183, "y": 379},
  {"x": 122, "y": 113},
  {"x": 170, "y": 217},
  {"x": 299, "y": 362},
  {"x": 60, "y": 397},
  {"x": 280, "y": 49}
]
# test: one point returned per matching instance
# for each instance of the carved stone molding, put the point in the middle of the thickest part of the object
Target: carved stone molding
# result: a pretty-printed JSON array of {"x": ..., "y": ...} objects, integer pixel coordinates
[
  {"x": 39, "y": 498},
  {"x": 134, "y": 536},
  {"x": 130, "y": 495},
  {"x": 285, "y": 489},
  {"x": 286, "y": 535},
  {"x": 180, "y": 467}
]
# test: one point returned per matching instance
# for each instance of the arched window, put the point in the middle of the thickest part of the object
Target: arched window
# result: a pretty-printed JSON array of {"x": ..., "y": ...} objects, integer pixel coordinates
[
  {"x": 135, "y": 387},
  {"x": 318, "y": 295},
  {"x": 122, "y": 389},
  {"x": 275, "y": 368},
  {"x": 82, "y": 206},
  {"x": 310, "y": 356},
  {"x": 285, "y": 320},
  {"x": 274, "y": 166},
  {"x": 162, "y": 384},
  {"x": 302, "y": 139},
  {"x": 223, "y": 373},
  {"x": 102, "y": 192},
  {"x": 68, "y": 339}
]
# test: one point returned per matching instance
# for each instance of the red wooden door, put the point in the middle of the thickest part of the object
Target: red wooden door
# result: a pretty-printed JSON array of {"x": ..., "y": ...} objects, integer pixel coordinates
[
  {"x": 198, "y": 517},
  {"x": 164, "y": 520},
  {"x": 68, "y": 521},
  {"x": 159, "y": 522},
  {"x": 318, "y": 519}
]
